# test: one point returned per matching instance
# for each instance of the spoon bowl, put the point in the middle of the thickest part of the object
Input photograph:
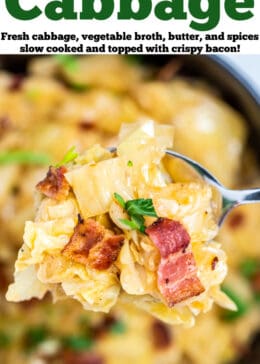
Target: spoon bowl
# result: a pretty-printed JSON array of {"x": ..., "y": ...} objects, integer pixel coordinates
[{"x": 230, "y": 198}]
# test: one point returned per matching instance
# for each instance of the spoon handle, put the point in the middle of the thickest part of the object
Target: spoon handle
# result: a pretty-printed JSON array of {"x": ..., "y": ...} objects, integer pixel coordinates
[
  {"x": 241, "y": 197},
  {"x": 249, "y": 196},
  {"x": 233, "y": 198}
]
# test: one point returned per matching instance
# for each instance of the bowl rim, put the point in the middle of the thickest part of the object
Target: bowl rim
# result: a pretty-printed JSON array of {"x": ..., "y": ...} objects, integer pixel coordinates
[{"x": 237, "y": 75}]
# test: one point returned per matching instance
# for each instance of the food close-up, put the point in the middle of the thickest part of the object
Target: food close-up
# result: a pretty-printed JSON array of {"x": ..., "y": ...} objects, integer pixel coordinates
[{"x": 110, "y": 250}]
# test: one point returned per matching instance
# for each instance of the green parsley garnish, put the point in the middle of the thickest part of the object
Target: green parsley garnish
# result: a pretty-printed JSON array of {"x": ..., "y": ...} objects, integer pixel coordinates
[
  {"x": 4, "y": 340},
  {"x": 249, "y": 267},
  {"x": 35, "y": 335},
  {"x": 257, "y": 297},
  {"x": 80, "y": 87},
  {"x": 70, "y": 156},
  {"x": 118, "y": 327},
  {"x": 77, "y": 342},
  {"x": 140, "y": 206},
  {"x": 242, "y": 306},
  {"x": 133, "y": 225},
  {"x": 129, "y": 164},
  {"x": 24, "y": 157},
  {"x": 68, "y": 62},
  {"x": 120, "y": 200},
  {"x": 136, "y": 210}
]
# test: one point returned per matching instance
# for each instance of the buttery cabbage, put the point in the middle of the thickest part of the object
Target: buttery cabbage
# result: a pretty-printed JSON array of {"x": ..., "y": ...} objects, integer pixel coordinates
[{"x": 94, "y": 177}]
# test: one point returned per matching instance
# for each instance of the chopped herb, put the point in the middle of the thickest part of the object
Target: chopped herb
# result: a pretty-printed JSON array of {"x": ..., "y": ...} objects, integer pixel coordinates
[
  {"x": 129, "y": 164},
  {"x": 4, "y": 340},
  {"x": 257, "y": 297},
  {"x": 120, "y": 200},
  {"x": 139, "y": 221},
  {"x": 249, "y": 267},
  {"x": 136, "y": 210},
  {"x": 242, "y": 306},
  {"x": 35, "y": 335},
  {"x": 77, "y": 343},
  {"x": 68, "y": 62},
  {"x": 130, "y": 223},
  {"x": 79, "y": 87},
  {"x": 141, "y": 206},
  {"x": 84, "y": 321},
  {"x": 70, "y": 156},
  {"x": 118, "y": 327},
  {"x": 24, "y": 157}
]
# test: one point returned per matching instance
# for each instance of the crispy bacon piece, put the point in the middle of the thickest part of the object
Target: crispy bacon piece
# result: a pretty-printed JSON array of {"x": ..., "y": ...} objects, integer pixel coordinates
[
  {"x": 169, "y": 236},
  {"x": 161, "y": 335},
  {"x": 93, "y": 245},
  {"x": 177, "y": 278},
  {"x": 177, "y": 272},
  {"x": 86, "y": 234},
  {"x": 55, "y": 185},
  {"x": 102, "y": 255}
]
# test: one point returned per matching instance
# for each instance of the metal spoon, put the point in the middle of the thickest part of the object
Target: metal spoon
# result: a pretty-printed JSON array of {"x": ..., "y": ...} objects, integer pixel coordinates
[{"x": 230, "y": 198}]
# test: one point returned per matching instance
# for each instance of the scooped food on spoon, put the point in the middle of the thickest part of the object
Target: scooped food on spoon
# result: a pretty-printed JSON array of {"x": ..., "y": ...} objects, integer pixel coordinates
[{"x": 116, "y": 227}]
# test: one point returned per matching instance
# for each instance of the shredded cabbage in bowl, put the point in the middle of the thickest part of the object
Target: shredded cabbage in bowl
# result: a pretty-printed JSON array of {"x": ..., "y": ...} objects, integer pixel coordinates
[{"x": 119, "y": 228}]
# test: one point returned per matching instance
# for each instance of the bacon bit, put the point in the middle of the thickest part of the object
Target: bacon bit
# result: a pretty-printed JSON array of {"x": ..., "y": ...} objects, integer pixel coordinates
[
  {"x": 102, "y": 255},
  {"x": 214, "y": 262},
  {"x": 161, "y": 335},
  {"x": 16, "y": 83},
  {"x": 177, "y": 272},
  {"x": 168, "y": 235},
  {"x": 4, "y": 123},
  {"x": 50, "y": 358},
  {"x": 236, "y": 220},
  {"x": 104, "y": 326},
  {"x": 94, "y": 245},
  {"x": 241, "y": 348},
  {"x": 82, "y": 358},
  {"x": 54, "y": 185},
  {"x": 86, "y": 125},
  {"x": 256, "y": 282},
  {"x": 86, "y": 235}
]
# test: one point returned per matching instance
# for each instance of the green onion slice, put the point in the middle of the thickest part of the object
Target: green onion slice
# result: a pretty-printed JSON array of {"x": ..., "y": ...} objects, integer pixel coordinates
[
  {"x": 242, "y": 306},
  {"x": 24, "y": 157}
]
